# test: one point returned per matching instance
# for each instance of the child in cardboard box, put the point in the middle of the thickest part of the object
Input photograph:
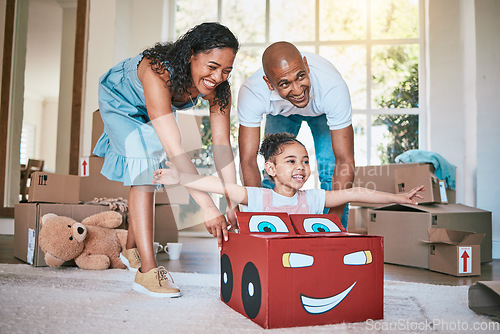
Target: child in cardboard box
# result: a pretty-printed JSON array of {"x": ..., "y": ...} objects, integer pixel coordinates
[{"x": 287, "y": 162}]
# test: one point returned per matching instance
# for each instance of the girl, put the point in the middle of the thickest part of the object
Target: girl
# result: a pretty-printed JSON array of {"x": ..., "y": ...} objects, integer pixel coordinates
[
  {"x": 137, "y": 99},
  {"x": 287, "y": 162}
]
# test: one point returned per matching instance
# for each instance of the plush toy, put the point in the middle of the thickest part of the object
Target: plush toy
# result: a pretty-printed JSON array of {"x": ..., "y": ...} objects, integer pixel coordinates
[{"x": 93, "y": 244}]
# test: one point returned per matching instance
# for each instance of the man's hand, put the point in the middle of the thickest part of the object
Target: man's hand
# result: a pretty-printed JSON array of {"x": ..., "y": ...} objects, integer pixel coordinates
[{"x": 216, "y": 224}]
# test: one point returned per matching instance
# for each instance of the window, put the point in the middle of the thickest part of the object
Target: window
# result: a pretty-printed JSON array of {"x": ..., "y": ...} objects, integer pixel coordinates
[
  {"x": 28, "y": 139},
  {"x": 375, "y": 44}
]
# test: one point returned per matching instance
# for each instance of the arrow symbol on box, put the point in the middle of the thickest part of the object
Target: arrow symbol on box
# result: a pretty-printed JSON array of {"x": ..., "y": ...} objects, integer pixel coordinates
[
  {"x": 84, "y": 164},
  {"x": 465, "y": 256}
]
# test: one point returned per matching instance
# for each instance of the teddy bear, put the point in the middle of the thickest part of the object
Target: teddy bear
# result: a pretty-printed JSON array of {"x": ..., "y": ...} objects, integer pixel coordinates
[{"x": 93, "y": 244}]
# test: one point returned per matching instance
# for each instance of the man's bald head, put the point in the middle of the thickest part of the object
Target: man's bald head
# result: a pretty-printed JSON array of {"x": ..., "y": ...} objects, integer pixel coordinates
[
  {"x": 279, "y": 54},
  {"x": 287, "y": 73}
]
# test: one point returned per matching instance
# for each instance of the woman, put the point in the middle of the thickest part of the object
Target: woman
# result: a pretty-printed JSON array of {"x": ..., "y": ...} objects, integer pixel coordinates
[{"x": 137, "y": 99}]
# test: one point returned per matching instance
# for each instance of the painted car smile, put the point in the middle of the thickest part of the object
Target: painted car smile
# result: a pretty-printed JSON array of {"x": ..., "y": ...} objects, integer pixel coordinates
[{"x": 321, "y": 305}]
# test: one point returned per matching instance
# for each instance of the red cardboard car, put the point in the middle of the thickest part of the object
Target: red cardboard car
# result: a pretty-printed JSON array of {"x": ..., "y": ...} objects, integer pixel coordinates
[{"x": 301, "y": 270}]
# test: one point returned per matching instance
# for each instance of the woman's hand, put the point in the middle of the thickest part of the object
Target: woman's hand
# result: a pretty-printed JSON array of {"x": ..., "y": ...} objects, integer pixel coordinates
[
  {"x": 215, "y": 223},
  {"x": 166, "y": 176},
  {"x": 231, "y": 218}
]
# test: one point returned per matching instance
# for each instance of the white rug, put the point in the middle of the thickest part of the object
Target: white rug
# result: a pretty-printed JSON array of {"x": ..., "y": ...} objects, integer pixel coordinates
[{"x": 72, "y": 300}]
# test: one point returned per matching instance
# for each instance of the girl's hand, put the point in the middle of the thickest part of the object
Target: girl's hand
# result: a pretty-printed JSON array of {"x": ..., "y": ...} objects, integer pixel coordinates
[
  {"x": 408, "y": 198},
  {"x": 166, "y": 176}
]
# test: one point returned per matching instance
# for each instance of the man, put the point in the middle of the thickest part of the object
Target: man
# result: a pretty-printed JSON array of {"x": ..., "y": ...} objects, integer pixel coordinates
[{"x": 291, "y": 88}]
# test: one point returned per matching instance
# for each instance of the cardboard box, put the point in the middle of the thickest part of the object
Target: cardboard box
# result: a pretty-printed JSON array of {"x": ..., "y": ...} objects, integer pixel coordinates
[
  {"x": 358, "y": 219},
  {"x": 411, "y": 177},
  {"x": 296, "y": 277},
  {"x": 387, "y": 177},
  {"x": 484, "y": 298},
  {"x": 97, "y": 129},
  {"x": 166, "y": 217},
  {"x": 406, "y": 227},
  {"x": 97, "y": 185},
  {"x": 27, "y": 226},
  {"x": 456, "y": 253},
  {"x": 54, "y": 188}
]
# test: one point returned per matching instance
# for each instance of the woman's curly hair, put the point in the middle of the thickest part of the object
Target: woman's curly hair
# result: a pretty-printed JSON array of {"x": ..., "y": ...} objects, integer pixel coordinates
[
  {"x": 272, "y": 144},
  {"x": 176, "y": 56}
]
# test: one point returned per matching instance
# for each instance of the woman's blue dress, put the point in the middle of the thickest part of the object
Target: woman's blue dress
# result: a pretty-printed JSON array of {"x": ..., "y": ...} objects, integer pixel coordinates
[{"x": 129, "y": 144}]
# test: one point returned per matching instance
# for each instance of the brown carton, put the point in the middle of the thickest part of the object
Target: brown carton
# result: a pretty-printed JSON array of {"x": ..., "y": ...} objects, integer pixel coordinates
[
  {"x": 414, "y": 176},
  {"x": 97, "y": 129},
  {"x": 358, "y": 219},
  {"x": 97, "y": 185},
  {"x": 456, "y": 253},
  {"x": 54, "y": 188},
  {"x": 27, "y": 220},
  {"x": 406, "y": 227},
  {"x": 484, "y": 298},
  {"x": 402, "y": 177}
]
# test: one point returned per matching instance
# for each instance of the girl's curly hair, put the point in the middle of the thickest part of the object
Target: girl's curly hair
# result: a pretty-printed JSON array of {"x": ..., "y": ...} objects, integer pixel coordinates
[
  {"x": 176, "y": 55},
  {"x": 272, "y": 144}
]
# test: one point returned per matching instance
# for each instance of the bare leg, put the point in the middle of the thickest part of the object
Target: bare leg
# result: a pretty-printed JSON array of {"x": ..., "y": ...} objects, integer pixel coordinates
[
  {"x": 130, "y": 236},
  {"x": 141, "y": 214}
]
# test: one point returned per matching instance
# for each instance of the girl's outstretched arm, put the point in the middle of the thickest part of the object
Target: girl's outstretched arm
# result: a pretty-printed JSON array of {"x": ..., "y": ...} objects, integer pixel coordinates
[
  {"x": 358, "y": 194},
  {"x": 206, "y": 183}
]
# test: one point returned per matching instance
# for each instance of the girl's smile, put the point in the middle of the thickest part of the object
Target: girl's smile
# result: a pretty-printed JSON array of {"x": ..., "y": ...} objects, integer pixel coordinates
[{"x": 290, "y": 169}]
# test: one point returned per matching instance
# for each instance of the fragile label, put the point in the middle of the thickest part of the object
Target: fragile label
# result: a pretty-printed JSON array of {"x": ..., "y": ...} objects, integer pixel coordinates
[
  {"x": 464, "y": 260},
  {"x": 31, "y": 246},
  {"x": 84, "y": 166},
  {"x": 442, "y": 192}
]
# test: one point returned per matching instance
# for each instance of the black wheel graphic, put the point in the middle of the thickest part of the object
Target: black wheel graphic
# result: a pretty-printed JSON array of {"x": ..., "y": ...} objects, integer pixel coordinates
[
  {"x": 251, "y": 291},
  {"x": 226, "y": 278}
]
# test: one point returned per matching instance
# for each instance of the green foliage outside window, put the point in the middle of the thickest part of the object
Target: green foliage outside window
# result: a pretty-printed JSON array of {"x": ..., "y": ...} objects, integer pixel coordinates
[
  {"x": 204, "y": 157},
  {"x": 402, "y": 129}
]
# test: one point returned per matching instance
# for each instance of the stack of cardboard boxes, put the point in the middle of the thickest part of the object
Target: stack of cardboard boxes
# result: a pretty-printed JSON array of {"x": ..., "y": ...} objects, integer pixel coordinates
[
  {"x": 409, "y": 231},
  {"x": 67, "y": 195}
]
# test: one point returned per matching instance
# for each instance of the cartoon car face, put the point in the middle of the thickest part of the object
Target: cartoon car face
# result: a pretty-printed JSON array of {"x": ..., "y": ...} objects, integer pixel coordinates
[{"x": 305, "y": 277}]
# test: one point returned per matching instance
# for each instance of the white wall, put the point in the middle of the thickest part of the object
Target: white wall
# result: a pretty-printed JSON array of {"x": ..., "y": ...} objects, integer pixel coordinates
[
  {"x": 67, "y": 61},
  {"x": 117, "y": 30},
  {"x": 464, "y": 95},
  {"x": 49, "y": 138},
  {"x": 446, "y": 75},
  {"x": 488, "y": 111}
]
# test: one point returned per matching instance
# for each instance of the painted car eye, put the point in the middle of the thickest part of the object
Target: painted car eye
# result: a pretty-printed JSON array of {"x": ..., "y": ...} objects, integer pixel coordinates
[
  {"x": 358, "y": 258},
  {"x": 320, "y": 225},
  {"x": 269, "y": 224},
  {"x": 297, "y": 260}
]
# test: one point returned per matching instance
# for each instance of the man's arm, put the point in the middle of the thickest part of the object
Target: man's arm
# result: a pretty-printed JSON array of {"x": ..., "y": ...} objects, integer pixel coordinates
[
  {"x": 343, "y": 149},
  {"x": 248, "y": 140}
]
